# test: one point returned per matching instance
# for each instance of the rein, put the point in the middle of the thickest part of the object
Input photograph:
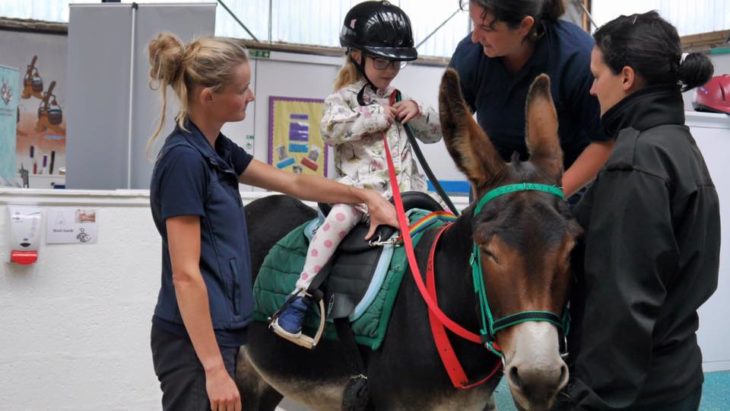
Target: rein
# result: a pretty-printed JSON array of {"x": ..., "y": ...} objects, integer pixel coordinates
[
  {"x": 395, "y": 97},
  {"x": 490, "y": 326}
]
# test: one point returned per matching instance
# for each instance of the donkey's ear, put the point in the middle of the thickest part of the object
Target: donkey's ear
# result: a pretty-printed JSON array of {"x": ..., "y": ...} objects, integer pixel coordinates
[
  {"x": 542, "y": 128},
  {"x": 468, "y": 145}
]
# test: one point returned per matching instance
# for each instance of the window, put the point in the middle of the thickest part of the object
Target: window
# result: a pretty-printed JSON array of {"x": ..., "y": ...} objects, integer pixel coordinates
[
  {"x": 285, "y": 23},
  {"x": 690, "y": 17}
]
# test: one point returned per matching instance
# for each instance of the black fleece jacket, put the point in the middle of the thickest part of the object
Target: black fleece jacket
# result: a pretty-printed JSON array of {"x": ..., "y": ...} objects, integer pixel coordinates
[{"x": 649, "y": 258}]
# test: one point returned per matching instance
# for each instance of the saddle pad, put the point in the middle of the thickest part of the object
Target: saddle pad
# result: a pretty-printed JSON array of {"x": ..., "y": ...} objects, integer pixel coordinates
[{"x": 280, "y": 271}]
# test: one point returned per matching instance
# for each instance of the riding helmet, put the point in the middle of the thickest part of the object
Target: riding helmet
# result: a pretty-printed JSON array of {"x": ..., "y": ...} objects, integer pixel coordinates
[
  {"x": 380, "y": 29},
  {"x": 714, "y": 96}
]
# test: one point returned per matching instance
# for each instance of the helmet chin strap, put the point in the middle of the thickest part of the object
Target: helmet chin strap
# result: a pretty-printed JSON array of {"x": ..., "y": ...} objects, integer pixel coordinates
[{"x": 361, "y": 69}]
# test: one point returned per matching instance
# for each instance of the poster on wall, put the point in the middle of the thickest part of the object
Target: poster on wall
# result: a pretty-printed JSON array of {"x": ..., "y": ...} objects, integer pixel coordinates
[
  {"x": 9, "y": 85},
  {"x": 295, "y": 142},
  {"x": 41, "y": 134}
]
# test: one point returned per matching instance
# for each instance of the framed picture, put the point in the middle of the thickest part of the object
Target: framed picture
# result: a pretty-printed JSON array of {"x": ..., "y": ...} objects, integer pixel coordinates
[{"x": 295, "y": 142}]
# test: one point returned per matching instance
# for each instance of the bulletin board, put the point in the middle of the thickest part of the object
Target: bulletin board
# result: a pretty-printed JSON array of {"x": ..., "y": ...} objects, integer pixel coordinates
[{"x": 295, "y": 142}]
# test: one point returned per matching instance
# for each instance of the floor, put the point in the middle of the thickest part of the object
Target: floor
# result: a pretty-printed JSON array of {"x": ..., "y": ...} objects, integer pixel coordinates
[{"x": 715, "y": 395}]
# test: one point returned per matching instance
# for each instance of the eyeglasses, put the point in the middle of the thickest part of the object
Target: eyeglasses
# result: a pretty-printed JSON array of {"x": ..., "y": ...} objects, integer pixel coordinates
[{"x": 382, "y": 64}]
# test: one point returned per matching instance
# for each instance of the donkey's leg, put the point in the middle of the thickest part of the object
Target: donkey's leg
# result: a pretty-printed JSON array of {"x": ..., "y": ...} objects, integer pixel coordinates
[
  {"x": 256, "y": 394},
  {"x": 491, "y": 405}
]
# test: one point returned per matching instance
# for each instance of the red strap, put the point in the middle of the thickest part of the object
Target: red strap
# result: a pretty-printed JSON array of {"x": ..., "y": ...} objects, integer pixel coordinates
[
  {"x": 443, "y": 345},
  {"x": 408, "y": 243}
]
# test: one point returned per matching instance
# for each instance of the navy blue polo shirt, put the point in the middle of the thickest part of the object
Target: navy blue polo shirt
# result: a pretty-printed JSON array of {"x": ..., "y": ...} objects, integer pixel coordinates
[
  {"x": 191, "y": 178},
  {"x": 498, "y": 96}
]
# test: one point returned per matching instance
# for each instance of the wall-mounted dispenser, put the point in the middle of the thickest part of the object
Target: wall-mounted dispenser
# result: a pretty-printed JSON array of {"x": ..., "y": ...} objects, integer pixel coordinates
[{"x": 25, "y": 233}]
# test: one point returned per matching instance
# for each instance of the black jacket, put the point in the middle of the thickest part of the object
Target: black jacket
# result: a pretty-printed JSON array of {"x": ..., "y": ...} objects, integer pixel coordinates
[{"x": 650, "y": 258}]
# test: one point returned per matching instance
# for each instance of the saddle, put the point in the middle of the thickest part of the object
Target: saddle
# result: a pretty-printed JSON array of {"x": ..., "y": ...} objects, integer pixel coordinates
[
  {"x": 360, "y": 283},
  {"x": 359, "y": 265}
]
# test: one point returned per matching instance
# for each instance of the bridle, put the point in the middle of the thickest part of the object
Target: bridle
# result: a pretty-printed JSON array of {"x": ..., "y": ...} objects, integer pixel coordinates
[{"x": 490, "y": 325}]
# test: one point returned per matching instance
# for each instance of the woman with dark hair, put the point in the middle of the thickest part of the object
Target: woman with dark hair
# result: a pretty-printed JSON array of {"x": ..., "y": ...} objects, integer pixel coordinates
[
  {"x": 512, "y": 42},
  {"x": 652, "y": 230}
]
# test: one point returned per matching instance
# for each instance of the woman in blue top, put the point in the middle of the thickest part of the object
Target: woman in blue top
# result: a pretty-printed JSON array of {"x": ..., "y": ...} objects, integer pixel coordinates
[
  {"x": 205, "y": 302},
  {"x": 512, "y": 42}
]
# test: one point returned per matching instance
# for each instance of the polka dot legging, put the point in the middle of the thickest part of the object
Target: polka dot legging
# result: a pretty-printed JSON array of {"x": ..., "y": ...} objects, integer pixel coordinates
[{"x": 340, "y": 220}]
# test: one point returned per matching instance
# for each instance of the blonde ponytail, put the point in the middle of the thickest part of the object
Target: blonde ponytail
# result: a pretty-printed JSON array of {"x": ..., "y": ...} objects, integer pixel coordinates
[
  {"x": 207, "y": 62},
  {"x": 348, "y": 73}
]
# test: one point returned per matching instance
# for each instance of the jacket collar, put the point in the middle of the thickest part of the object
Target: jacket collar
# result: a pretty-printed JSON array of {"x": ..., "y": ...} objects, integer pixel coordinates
[
  {"x": 370, "y": 91},
  {"x": 216, "y": 156},
  {"x": 644, "y": 109}
]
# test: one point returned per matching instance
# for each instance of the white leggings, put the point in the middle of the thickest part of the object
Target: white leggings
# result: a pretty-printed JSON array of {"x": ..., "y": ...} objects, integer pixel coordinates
[{"x": 340, "y": 220}]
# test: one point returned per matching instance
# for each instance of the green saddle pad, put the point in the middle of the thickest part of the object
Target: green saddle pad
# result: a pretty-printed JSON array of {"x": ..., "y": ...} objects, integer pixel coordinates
[{"x": 283, "y": 264}]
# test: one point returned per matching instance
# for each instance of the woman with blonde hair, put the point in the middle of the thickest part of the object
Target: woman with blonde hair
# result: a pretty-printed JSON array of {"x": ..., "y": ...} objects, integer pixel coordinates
[{"x": 205, "y": 302}]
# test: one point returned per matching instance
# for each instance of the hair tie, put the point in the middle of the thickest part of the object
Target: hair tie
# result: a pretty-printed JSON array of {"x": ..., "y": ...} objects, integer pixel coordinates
[{"x": 684, "y": 56}]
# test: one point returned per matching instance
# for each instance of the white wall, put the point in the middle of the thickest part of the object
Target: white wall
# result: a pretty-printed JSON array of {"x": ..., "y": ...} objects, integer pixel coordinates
[
  {"x": 712, "y": 132},
  {"x": 75, "y": 326}
]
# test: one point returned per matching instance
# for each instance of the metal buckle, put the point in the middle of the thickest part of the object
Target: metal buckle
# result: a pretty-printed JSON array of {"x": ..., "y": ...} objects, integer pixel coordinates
[{"x": 379, "y": 242}]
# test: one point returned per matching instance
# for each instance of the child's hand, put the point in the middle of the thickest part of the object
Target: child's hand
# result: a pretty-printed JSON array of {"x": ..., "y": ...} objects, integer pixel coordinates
[
  {"x": 405, "y": 110},
  {"x": 390, "y": 114}
]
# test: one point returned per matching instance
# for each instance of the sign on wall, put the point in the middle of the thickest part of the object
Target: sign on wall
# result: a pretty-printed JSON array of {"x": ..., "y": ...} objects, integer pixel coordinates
[
  {"x": 71, "y": 225},
  {"x": 9, "y": 85},
  {"x": 295, "y": 142}
]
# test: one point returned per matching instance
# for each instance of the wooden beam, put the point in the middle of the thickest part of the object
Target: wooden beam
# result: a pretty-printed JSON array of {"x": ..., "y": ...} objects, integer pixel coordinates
[
  {"x": 705, "y": 41},
  {"x": 258, "y": 50},
  {"x": 33, "y": 26}
]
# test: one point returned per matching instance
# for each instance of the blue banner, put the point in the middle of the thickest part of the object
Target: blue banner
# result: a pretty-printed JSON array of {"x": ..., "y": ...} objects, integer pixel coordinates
[{"x": 9, "y": 97}]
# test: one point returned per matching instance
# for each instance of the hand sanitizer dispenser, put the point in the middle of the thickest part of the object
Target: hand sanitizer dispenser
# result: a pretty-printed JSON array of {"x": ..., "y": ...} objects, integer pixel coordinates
[{"x": 25, "y": 233}]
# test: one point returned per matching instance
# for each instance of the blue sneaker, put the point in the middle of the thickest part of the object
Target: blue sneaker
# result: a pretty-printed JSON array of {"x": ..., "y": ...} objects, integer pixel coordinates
[{"x": 289, "y": 322}]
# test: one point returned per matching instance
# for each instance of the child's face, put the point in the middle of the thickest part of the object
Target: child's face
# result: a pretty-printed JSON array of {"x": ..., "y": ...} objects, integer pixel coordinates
[{"x": 381, "y": 71}]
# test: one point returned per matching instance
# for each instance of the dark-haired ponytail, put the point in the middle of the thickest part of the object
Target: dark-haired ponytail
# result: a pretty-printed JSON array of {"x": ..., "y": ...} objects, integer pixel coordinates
[{"x": 695, "y": 70}]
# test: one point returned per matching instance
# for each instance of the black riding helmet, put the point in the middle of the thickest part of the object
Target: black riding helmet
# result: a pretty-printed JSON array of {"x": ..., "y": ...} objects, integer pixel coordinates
[{"x": 379, "y": 29}]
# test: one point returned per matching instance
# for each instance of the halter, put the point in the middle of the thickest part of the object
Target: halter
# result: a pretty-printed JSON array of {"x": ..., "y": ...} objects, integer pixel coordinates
[{"x": 490, "y": 326}]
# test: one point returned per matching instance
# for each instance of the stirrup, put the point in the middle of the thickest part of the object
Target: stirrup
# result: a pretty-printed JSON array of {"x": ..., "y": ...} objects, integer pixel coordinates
[{"x": 302, "y": 339}]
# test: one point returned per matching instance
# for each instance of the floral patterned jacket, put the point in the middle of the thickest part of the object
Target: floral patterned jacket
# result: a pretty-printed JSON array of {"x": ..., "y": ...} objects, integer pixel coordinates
[{"x": 356, "y": 134}]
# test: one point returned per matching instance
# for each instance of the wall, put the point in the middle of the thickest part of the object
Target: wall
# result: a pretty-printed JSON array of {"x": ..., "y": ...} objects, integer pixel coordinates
[
  {"x": 712, "y": 133},
  {"x": 76, "y": 324},
  {"x": 107, "y": 149}
]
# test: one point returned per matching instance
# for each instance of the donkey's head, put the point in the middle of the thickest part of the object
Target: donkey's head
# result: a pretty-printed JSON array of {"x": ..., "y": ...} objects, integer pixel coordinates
[{"x": 523, "y": 235}]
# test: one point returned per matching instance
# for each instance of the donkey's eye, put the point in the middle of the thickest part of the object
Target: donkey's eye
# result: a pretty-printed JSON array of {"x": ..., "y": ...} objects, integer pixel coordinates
[{"x": 487, "y": 253}]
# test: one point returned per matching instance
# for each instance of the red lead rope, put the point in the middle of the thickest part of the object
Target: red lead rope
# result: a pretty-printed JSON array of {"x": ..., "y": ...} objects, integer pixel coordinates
[
  {"x": 408, "y": 244},
  {"x": 448, "y": 357},
  {"x": 443, "y": 345}
]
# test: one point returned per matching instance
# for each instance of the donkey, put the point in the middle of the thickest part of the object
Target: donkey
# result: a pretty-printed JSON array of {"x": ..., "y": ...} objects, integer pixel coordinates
[{"x": 523, "y": 240}]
